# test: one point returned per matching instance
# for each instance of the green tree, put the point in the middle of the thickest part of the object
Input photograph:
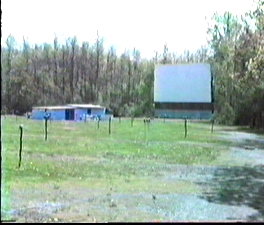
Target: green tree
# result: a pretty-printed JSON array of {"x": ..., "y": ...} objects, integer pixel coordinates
[{"x": 7, "y": 56}]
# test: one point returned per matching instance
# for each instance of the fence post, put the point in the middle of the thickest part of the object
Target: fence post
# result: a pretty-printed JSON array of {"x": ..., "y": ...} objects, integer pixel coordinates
[
  {"x": 145, "y": 131},
  {"x": 132, "y": 120},
  {"x": 185, "y": 127},
  {"x": 46, "y": 117},
  {"x": 148, "y": 123},
  {"x": 46, "y": 129},
  {"x": 212, "y": 127},
  {"x": 21, "y": 142},
  {"x": 109, "y": 125}
]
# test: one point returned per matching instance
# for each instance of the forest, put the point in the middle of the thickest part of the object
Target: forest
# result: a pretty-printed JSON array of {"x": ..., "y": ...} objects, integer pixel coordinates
[{"x": 73, "y": 72}]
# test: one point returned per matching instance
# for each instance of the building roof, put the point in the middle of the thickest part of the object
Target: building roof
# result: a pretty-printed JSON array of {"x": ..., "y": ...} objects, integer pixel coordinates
[
  {"x": 68, "y": 106},
  {"x": 85, "y": 106},
  {"x": 52, "y": 107}
]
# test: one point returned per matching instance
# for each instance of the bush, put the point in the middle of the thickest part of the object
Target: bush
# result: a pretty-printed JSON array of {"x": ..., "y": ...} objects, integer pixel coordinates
[{"x": 226, "y": 115}]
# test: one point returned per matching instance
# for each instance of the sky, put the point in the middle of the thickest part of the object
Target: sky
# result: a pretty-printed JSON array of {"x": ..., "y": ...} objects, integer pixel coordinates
[{"x": 126, "y": 24}]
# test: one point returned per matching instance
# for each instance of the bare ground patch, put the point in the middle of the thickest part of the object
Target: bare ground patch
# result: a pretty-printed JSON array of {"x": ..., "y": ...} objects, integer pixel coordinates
[
  {"x": 63, "y": 158},
  {"x": 82, "y": 205},
  {"x": 75, "y": 201}
]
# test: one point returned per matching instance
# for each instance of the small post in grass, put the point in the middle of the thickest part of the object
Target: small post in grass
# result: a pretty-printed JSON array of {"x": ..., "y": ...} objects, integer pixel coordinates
[
  {"x": 109, "y": 125},
  {"x": 185, "y": 127},
  {"x": 145, "y": 129},
  {"x": 98, "y": 121},
  {"x": 46, "y": 117},
  {"x": 46, "y": 129},
  {"x": 119, "y": 118},
  {"x": 146, "y": 124},
  {"x": 21, "y": 142},
  {"x": 132, "y": 120},
  {"x": 212, "y": 127},
  {"x": 164, "y": 116}
]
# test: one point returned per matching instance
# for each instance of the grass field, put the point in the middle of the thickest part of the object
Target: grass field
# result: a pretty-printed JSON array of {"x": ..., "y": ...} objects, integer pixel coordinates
[
  {"x": 81, "y": 150},
  {"x": 131, "y": 159}
]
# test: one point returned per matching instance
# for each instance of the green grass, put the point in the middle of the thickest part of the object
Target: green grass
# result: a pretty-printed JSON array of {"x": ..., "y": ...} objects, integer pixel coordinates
[
  {"x": 162, "y": 142},
  {"x": 131, "y": 159},
  {"x": 78, "y": 150}
]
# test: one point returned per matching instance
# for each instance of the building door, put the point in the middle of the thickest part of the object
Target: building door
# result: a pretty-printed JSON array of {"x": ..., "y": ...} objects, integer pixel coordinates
[
  {"x": 89, "y": 111},
  {"x": 69, "y": 114}
]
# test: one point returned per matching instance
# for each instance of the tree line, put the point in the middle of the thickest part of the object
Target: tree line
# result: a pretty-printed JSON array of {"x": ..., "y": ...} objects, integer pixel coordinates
[
  {"x": 238, "y": 67},
  {"x": 73, "y": 72}
]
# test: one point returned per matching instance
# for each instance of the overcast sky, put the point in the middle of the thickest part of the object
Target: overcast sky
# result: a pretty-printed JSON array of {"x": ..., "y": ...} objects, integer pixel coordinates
[{"x": 144, "y": 24}]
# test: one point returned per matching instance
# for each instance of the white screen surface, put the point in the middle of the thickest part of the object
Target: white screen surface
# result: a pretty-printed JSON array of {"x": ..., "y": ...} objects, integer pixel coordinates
[{"x": 182, "y": 83}]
